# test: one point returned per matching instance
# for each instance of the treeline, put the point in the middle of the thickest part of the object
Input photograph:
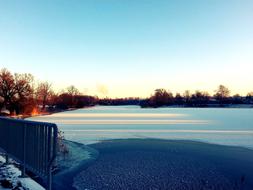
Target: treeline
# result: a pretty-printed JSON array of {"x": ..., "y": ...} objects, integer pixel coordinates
[
  {"x": 119, "y": 101},
  {"x": 221, "y": 98},
  {"x": 20, "y": 94}
]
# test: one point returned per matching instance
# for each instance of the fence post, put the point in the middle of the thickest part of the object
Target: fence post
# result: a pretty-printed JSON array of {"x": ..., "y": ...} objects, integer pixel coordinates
[
  {"x": 24, "y": 152},
  {"x": 49, "y": 179}
]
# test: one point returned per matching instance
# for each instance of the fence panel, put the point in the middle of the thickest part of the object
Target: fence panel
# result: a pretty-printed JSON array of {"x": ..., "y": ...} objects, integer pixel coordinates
[{"x": 33, "y": 144}]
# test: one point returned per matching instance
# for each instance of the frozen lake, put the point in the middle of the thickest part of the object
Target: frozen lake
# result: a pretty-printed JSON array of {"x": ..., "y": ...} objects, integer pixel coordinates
[{"x": 214, "y": 125}]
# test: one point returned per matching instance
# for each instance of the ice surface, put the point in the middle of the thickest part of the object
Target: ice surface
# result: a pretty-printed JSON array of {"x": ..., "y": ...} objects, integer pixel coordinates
[{"x": 226, "y": 126}]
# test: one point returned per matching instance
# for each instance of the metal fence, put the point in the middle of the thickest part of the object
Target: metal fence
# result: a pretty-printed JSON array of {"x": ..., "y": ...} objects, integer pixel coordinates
[{"x": 33, "y": 144}]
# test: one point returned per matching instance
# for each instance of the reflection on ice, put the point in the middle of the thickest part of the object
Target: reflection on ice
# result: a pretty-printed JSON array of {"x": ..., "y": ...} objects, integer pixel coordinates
[
  {"x": 115, "y": 115},
  {"x": 121, "y": 121},
  {"x": 159, "y": 131}
]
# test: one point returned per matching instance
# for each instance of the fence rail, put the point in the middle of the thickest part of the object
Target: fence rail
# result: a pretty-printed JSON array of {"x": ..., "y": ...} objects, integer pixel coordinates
[{"x": 33, "y": 144}]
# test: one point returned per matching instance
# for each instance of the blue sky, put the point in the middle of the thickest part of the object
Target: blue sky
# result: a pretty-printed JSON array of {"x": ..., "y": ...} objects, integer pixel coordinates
[{"x": 130, "y": 47}]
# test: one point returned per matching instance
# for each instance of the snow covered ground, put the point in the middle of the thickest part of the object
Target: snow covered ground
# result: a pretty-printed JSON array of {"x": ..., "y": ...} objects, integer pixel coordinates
[{"x": 10, "y": 180}]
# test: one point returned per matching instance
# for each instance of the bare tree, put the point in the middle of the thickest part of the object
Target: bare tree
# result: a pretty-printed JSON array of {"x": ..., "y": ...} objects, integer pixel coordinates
[
  {"x": 73, "y": 92},
  {"x": 161, "y": 97},
  {"x": 222, "y": 91},
  {"x": 187, "y": 96},
  {"x": 15, "y": 89},
  {"x": 249, "y": 97},
  {"x": 1, "y": 103},
  {"x": 250, "y": 94},
  {"x": 200, "y": 99},
  {"x": 222, "y": 94},
  {"x": 43, "y": 93},
  {"x": 23, "y": 85}
]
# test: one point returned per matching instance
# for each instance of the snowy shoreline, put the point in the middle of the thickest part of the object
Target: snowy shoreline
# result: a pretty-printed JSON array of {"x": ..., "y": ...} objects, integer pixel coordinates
[{"x": 10, "y": 178}]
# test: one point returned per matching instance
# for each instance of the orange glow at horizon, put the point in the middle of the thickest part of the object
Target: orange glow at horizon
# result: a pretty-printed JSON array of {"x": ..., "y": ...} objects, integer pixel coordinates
[{"x": 35, "y": 112}]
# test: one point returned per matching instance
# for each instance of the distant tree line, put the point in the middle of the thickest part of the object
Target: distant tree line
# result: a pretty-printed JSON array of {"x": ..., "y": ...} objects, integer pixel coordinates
[
  {"x": 221, "y": 98},
  {"x": 20, "y": 94},
  {"x": 119, "y": 101}
]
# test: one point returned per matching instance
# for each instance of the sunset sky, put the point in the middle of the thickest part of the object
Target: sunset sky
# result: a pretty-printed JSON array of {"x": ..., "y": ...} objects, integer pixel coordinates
[{"x": 122, "y": 48}]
